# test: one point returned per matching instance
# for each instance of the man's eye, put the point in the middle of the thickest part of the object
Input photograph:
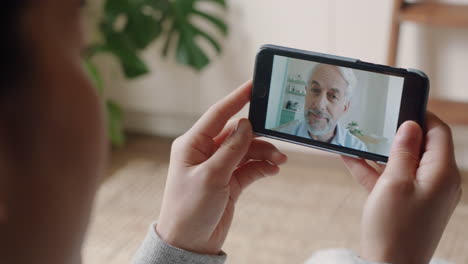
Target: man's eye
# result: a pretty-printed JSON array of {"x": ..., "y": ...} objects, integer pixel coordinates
[
  {"x": 332, "y": 97},
  {"x": 316, "y": 91}
]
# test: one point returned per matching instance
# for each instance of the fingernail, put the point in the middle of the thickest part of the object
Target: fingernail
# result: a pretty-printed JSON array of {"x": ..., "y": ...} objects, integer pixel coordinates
[
  {"x": 279, "y": 158},
  {"x": 408, "y": 133},
  {"x": 242, "y": 127}
]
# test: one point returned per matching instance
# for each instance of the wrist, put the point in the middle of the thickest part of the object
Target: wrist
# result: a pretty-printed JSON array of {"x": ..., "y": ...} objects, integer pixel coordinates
[
  {"x": 155, "y": 250},
  {"x": 166, "y": 236},
  {"x": 174, "y": 240}
]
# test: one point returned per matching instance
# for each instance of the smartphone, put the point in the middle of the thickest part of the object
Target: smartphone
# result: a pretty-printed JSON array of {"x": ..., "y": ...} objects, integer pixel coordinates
[{"x": 333, "y": 103}]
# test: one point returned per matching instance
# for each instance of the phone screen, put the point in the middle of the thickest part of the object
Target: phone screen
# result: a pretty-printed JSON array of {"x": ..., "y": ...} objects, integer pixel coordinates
[{"x": 338, "y": 105}]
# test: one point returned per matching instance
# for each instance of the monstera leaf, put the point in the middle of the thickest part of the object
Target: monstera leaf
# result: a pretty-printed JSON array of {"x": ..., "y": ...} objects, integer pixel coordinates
[
  {"x": 129, "y": 26},
  {"x": 188, "y": 51}
]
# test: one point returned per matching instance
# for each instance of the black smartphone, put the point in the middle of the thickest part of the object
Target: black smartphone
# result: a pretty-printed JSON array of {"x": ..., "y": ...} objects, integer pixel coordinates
[{"x": 333, "y": 103}]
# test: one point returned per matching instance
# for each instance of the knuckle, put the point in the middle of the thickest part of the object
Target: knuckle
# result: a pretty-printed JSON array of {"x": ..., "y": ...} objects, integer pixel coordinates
[
  {"x": 177, "y": 142},
  {"x": 258, "y": 173},
  {"x": 233, "y": 145},
  {"x": 402, "y": 154},
  {"x": 206, "y": 177},
  {"x": 402, "y": 185},
  {"x": 445, "y": 183},
  {"x": 445, "y": 127},
  {"x": 217, "y": 110},
  {"x": 178, "y": 146}
]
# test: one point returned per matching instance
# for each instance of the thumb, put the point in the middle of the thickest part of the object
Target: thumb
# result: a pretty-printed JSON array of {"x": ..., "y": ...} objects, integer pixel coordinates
[
  {"x": 406, "y": 148},
  {"x": 225, "y": 160}
]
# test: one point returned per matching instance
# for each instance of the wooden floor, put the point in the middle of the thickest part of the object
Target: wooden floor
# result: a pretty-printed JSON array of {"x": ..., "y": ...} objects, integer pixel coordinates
[{"x": 313, "y": 204}]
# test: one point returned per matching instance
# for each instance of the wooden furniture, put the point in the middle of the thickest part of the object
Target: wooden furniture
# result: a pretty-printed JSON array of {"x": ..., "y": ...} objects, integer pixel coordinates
[{"x": 431, "y": 14}]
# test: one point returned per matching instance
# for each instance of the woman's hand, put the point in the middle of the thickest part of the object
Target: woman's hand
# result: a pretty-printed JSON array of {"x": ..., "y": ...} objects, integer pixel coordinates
[
  {"x": 411, "y": 202},
  {"x": 210, "y": 166}
]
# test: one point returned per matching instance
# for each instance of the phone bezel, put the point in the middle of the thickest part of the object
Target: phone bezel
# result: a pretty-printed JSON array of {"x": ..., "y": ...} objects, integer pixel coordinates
[{"x": 413, "y": 104}]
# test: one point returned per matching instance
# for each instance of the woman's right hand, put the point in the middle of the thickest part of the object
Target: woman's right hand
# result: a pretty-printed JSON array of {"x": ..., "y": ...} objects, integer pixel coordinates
[{"x": 411, "y": 202}]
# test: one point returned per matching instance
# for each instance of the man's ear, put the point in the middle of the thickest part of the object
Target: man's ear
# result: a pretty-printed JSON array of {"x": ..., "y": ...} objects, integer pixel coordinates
[{"x": 346, "y": 106}]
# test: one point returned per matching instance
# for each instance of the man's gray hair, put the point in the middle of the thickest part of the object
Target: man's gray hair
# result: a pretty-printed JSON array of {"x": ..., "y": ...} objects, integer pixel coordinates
[{"x": 347, "y": 74}]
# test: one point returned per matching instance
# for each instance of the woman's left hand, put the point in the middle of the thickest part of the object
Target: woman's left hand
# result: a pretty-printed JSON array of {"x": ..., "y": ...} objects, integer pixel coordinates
[{"x": 210, "y": 166}]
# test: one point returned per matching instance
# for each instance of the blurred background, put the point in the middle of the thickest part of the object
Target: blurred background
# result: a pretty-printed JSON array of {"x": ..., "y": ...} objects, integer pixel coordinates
[{"x": 160, "y": 64}]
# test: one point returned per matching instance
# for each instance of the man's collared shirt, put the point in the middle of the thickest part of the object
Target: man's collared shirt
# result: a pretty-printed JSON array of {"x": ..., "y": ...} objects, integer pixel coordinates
[{"x": 342, "y": 136}]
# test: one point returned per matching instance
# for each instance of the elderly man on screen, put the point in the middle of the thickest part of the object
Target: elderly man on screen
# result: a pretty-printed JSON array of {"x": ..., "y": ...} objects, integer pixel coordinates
[{"x": 328, "y": 97}]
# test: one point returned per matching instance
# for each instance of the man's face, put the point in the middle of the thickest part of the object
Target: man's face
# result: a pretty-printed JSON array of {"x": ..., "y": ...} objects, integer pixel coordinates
[{"x": 326, "y": 100}]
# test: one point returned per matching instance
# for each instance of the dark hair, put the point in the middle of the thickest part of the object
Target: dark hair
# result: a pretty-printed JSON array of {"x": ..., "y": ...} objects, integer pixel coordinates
[{"x": 12, "y": 62}]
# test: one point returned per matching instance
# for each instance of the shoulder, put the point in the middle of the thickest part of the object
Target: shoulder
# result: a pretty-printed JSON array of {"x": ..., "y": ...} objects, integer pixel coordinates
[{"x": 349, "y": 140}]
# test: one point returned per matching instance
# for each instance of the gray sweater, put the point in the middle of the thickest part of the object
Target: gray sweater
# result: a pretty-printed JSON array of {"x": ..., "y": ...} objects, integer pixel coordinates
[{"x": 155, "y": 251}]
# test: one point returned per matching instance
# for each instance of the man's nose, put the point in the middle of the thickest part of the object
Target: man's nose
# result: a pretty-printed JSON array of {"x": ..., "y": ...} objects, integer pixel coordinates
[{"x": 323, "y": 102}]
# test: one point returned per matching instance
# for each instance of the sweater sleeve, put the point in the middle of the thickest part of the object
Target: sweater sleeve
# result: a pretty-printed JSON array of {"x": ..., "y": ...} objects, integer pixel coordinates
[
  {"x": 347, "y": 256},
  {"x": 154, "y": 250},
  {"x": 337, "y": 256}
]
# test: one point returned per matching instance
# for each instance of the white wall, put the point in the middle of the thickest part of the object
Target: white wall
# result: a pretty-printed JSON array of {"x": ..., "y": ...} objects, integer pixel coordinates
[
  {"x": 393, "y": 106},
  {"x": 170, "y": 100},
  {"x": 280, "y": 66}
]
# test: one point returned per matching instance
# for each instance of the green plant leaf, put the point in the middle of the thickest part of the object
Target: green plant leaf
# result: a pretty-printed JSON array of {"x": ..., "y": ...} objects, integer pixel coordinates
[
  {"x": 220, "y": 2},
  {"x": 167, "y": 43},
  {"x": 94, "y": 75},
  {"x": 129, "y": 26},
  {"x": 188, "y": 51},
  {"x": 210, "y": 39},
  {"x": 114, "y": 8},
  {"x": 214, "y": 20},
  {"x": 142, "y": 29},
  {"x": 114, "y": 123},
  {"x": 122, "y": 46},
  {"x": 95, "y": 49}
]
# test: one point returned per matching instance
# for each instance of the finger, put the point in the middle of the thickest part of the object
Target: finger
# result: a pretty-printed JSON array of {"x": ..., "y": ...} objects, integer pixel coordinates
[
  {"x": 405, "y": 152},
  {"x": 362, "y": 172},
  {"x": 224, "y": 161},
  {"x": 438, "y": 154},
  {"x": 438, "y": 137},
  {"x": 231, "y": 124},
  {"x": 262, "y": 150},
  {"x": 227, "y": 130},
  {"x": 249, "y": 173},
  {"x": 214, "y": 120},
  {"x": 379, "y": 168}
]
